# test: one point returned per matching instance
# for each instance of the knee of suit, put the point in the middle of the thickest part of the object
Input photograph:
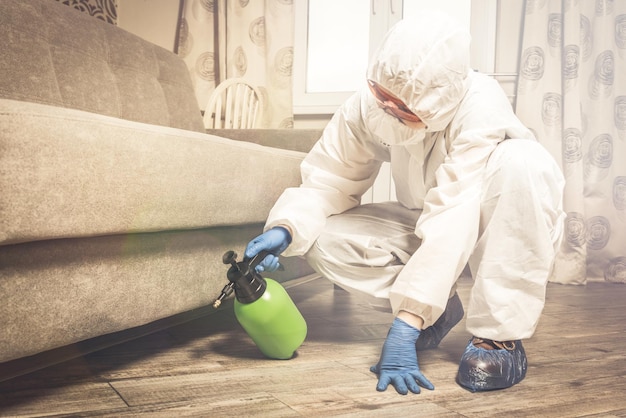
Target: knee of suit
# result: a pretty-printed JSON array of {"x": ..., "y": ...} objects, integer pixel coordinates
[{"x": 525, "y": 161}]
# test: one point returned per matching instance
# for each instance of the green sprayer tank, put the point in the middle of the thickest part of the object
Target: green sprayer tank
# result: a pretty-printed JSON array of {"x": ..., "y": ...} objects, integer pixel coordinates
[{"x": 263, "y": 308}]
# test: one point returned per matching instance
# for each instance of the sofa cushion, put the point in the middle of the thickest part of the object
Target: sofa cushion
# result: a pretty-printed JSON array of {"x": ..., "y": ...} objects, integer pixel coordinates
[
  {"x": 68, "y": 173},
  {"x": 46, "y": 59},
  {"x": 294, "y": 139}
]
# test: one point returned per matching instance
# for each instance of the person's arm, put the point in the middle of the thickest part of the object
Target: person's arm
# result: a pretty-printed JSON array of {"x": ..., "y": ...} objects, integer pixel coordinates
[{"x": 339, "y": 169}]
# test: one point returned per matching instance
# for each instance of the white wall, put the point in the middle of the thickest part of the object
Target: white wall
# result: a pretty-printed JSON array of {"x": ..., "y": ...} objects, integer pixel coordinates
[{"x": 153, "y": 20}]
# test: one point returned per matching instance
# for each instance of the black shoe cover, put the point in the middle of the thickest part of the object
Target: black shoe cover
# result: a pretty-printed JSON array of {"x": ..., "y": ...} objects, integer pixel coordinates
[
  {"x": 431, "y": 337},
  {"x": 482, "y": 369}
]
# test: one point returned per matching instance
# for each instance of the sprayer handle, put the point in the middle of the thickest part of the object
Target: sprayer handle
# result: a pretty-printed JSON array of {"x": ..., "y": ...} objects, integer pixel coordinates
[
  {"x": 257, "y": 259},
  {"x": 230, "y": 257}
]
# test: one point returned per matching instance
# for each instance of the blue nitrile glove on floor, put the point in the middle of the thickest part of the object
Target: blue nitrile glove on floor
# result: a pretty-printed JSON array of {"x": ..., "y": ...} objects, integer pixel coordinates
[
  {"x": 398, "y": 361},
  {"x": 274, "y": 240}
]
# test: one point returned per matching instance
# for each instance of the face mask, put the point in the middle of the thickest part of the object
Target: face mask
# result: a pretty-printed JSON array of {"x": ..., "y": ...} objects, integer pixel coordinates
[{"x": 389, "y": 130}]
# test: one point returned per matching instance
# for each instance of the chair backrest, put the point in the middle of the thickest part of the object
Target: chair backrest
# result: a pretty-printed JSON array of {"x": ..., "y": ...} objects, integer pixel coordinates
[{"x": 234, "y": 104}]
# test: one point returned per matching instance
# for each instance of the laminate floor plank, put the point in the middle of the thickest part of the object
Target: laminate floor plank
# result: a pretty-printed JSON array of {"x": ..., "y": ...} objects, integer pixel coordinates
[
  {"x": 62, "y": 399},
  {"x": 209, "y": 367}
]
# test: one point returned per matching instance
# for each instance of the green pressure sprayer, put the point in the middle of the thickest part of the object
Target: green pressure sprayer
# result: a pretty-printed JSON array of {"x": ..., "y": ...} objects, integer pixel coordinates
[{"x": 263, "y": 308}]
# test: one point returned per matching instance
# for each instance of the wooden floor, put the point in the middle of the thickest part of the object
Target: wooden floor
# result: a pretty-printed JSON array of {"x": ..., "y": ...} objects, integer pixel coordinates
[{"x": 209, "y": 367}]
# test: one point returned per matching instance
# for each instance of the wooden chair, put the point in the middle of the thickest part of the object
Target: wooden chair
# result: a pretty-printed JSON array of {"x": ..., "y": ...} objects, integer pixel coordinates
[{"x": 234, "y": 104}]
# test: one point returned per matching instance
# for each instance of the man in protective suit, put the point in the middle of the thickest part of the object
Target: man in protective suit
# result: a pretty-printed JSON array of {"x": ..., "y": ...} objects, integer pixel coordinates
[{"x": 473, "y": 187}]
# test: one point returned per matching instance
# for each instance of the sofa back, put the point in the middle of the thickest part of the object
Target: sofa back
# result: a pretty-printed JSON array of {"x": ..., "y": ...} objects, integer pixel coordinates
[{"x": 53, "y": 54}]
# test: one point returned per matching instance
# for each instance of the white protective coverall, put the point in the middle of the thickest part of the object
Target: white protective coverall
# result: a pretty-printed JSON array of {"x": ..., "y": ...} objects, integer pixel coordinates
[{"x": 473, "y": 186}]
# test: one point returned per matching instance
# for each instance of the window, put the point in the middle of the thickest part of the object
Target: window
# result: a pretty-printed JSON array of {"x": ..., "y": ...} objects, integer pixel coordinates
[
  {"x": 335, "y": 39},
  {"x": 348, "y": 57}
]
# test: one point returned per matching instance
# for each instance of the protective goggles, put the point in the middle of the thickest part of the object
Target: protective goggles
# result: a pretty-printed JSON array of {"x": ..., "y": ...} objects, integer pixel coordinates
[{"x": 391, "y": 104}]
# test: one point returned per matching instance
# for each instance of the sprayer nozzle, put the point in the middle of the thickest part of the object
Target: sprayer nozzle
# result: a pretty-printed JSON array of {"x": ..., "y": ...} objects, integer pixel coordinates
[{"x": 227, "y": 290}]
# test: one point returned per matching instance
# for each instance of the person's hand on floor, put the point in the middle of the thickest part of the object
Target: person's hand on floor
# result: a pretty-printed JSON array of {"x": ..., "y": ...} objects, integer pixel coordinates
[{"x": 398, "y": 361}]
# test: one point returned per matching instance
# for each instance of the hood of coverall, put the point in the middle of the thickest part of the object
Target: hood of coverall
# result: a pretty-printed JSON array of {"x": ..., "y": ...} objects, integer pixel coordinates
[{"x": 424, "y": 61}]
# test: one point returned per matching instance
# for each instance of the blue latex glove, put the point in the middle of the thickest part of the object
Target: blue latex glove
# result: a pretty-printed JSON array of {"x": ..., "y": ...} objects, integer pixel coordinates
[
  {"x": 398, "y": 361},
  {"x": 274, "y": 240}
]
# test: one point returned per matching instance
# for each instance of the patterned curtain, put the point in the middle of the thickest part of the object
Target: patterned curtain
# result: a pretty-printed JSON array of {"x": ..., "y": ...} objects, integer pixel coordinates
[
  {"x": 246, "y": 39},
  {"x": 102, "y": 9},
  {"x": 196, "y": 45},
  {"x": 572, "y": 93}
]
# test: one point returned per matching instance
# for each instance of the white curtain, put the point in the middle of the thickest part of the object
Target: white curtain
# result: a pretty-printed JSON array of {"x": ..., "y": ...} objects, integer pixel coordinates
[
  {"x": 572, "y": 93},
  {"x": 249, "y": 39}
]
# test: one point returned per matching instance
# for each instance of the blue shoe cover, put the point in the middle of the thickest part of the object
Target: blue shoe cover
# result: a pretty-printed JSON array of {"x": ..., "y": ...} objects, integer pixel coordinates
[{"x": 484, "y": 369}]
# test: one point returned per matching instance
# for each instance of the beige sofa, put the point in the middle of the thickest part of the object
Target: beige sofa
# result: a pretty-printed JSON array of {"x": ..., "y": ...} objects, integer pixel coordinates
[{"x": 115, "y": 205}]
